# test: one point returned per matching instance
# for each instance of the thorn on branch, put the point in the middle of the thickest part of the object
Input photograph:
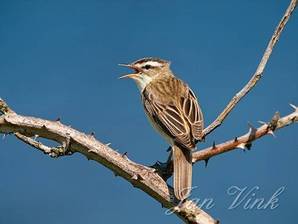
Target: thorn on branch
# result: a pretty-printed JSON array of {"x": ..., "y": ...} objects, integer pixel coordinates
[
  {"x": 156, "y": 166},
  {"x": 213, "y": 145},
  {"x": 262, "y": 122},
  {"x": 92, "y": 150},
  {"x": 270, "y": 132},
  {"x": 124, "y": 155},
  {"x": 241, "y": 146},
  {"x": 140, "y": 177},
  {"x": 5, "y": 120},
  {"x": 252, "y": 129},
  {"x": 44, "y": 127},
  {"x": 236, "y": 139},
  {"x": 92, "y": 134},
  {"x": 58, "y": 119},
  {"x": 136, "y": 177},
  {"x": 248, "y": 146},
  {"x": 206, "y": 162},
  {"x": 294, "y": 107},
  {"x": 245, "y": 146},
  {"x": 252, "y": 132},
  {"x": 153, "y": 170}
]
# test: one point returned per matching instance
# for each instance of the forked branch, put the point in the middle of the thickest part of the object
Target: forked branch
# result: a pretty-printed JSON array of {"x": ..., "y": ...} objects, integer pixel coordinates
[
  {"x": 29, "y": 129},
  {"x": 259, "y": 72},
  {"x": 245, "y": 141}
]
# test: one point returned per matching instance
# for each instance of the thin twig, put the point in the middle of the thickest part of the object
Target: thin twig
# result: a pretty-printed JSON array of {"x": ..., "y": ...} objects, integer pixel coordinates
[
  {"x": 54, "y": 152},
  {"x": 245, "y": 141},
  {"x": 257, "y": 75}
]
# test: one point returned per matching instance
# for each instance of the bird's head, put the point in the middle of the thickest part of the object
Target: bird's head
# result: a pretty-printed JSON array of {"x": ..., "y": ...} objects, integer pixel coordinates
[{"x": 147, "y": 69}]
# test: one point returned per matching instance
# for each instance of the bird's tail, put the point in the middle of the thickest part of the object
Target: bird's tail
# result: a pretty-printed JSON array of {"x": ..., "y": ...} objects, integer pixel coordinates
[{"x": 182, "y": 162}]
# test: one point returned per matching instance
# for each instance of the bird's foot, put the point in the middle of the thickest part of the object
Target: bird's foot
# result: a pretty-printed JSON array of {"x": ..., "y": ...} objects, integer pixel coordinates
[{"x": 165, "y": 170}]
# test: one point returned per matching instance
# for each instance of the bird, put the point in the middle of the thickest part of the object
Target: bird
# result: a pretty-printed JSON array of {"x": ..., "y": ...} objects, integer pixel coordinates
[{"x": 173, "y": 110}]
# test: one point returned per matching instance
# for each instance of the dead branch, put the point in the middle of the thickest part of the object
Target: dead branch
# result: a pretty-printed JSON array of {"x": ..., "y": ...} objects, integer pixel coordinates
[
  {"x": 245, "y": 141},
  {"x": 70, "y": 141},
  {"x": 259, "y": 72}
]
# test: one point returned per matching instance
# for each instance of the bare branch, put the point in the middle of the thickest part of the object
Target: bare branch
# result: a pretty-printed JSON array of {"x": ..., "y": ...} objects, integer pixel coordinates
[
  {"x": 4, "y": 108},
  {"x": 258, "y": 74},
  {"x": 245, "y": 141},
  {"x": 71, "y": 140},
  {"x": 54, "y": 152}
]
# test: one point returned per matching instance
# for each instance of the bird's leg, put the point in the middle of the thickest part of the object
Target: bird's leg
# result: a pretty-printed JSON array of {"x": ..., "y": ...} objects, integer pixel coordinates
[{"x": 165, "y": 170}]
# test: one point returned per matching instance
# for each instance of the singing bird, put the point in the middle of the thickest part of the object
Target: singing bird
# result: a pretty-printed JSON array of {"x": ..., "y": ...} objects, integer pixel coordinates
[{"x": 173, "y": 110}]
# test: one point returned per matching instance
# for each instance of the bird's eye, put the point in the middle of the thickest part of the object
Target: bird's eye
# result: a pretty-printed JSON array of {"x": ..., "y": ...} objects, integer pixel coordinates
[{"x": 147, "y": 67}]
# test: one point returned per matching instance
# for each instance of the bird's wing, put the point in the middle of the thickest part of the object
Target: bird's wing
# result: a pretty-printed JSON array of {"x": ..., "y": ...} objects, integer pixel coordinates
[
  {"x": 179, "y": 119},
  {"x": 192, "y": 111}
]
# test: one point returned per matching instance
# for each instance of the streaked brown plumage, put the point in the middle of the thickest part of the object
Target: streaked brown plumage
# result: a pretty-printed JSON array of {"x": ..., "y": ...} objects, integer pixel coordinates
[{"x": 173, "y": 110}]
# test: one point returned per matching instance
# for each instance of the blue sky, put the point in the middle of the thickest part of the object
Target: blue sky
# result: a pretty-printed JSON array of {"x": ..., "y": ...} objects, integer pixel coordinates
[{"x": 59, "y": 59}]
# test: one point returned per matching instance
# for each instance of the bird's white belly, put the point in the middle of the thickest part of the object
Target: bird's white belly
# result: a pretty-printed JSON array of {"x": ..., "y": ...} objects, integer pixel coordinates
[{"x": 159, "y": 130}]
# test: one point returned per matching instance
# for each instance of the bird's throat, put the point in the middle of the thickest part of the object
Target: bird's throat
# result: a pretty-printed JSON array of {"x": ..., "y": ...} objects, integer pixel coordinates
[{"x": 142, "y": 81}]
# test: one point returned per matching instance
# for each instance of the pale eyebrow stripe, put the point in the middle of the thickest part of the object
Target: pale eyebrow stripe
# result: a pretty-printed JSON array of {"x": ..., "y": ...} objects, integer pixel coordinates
[{"x": 152, "y": 63}]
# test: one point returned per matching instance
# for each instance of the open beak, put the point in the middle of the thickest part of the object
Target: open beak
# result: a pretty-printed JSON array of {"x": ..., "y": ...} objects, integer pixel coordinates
[{"x": 131, "y": 76}]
